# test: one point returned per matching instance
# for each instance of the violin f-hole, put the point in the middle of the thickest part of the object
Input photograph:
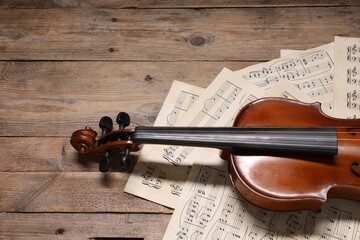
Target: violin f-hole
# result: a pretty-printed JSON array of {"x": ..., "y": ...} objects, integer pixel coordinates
[
  {"x": 353, "y": 131},
  {"x": 355, "y": 168}
]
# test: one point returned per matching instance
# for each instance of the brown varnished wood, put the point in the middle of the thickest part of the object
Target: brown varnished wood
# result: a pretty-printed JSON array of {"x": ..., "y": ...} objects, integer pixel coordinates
[
  {"x": 295, "y": 182},
  {"x": 84, "y": 141}
]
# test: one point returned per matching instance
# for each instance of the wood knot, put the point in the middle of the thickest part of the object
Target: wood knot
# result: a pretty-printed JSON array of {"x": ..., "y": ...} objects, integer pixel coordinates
[
  {"x": 149, "y": 78},
  {"x": 59, "y": 231},
  {"x": 111, "y": 49},
  {"x": 151, "y": 119},
  {"x": 114, "y": 19},
  {"x": 200, "y": 40}
]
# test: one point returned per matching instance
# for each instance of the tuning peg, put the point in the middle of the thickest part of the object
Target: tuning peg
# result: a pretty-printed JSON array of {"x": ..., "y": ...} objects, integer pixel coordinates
[
  {"x": 104, "y": 164},
  {"x": 106, "y": 125},
  {"x": 126, "y": 159},
  {"x": 123, "y": 119}
]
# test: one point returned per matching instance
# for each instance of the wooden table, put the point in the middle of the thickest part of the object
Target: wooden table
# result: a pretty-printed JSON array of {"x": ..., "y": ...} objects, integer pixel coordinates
[{"x": 64, "y": 64}]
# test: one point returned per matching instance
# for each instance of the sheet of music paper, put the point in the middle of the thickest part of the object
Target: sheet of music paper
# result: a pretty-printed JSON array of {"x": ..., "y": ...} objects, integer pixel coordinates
[{"x": 194, "y": 181}]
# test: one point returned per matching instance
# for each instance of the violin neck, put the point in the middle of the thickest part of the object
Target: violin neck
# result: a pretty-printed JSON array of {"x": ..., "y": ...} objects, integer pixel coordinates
[{"x": 310, "y": 140}]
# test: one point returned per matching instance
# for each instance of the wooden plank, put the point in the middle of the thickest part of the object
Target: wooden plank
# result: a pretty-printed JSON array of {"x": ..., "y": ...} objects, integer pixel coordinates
[
  {"x": 169, "y": 3},
  {"x": 57, "y": 98},
  {"x": 48, "y": 154},
  {"x": 82, "y": 226},
  {"x": 241, "y": 34},
  {"x": 70, "y": 192},
  {"x": 40, "y": 155}
]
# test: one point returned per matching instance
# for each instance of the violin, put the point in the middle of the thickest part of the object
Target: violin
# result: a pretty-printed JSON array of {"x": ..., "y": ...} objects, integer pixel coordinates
[{"x": 283, "y": 155}]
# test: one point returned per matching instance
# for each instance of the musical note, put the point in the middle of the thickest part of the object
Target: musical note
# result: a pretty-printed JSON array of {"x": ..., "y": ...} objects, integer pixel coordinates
[
  {"x": 311, "y": 71},
  {"x": 356, "y": 230},
  {"x": 184, "y": 101},
  {"x": 176, "y": 188},
  {"x": 328, "y": 105},
  {"x": 207, "y": 191},
  {"x": 153, "y": 177},
  {"x": 338, "y": 224},
  {"x": 351, "y": 98},
  {"x": 317, "y": 86},
  {"x": 243, "y": 101},
  {"x": 310, "y": 222},
  {"x": 347, "y": 77},
  {"x": 351, "y": 74},
  {"x": 212, "y": 110},
  {"x": 264, "y": 224},
  {"x": 288, "y": 95},
  {"x": 259, "y": 73},
  {"x": 149, "y": 180},
  {"x": 314, "y": 57},
  {"x": 268, "y": 81},
  {"x": 229, "y": 223},
  {"x": 353, "y": 53},
  {"x": 300, "y": 223},
  {"x": 321, "y": 91},
  {"x": 288, "y": 65}
]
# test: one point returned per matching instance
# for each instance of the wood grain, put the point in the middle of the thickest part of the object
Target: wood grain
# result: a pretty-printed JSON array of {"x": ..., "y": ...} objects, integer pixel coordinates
[
  {"x": 168, "y": 3},
  {"x": 50, "y": 154},
  {"x": 57, "y": 98},
  {"x": 70, "y": 192},
  {"x": 236, "y": 34},
  {"x": 35, "y": 154},
  {"x": 64, "y": 64},
  {"x": 82, "y": 226}
]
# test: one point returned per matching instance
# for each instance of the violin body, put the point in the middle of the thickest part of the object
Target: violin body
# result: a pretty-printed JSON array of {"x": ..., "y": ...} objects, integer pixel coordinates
[{"x": 285, "y": 182}]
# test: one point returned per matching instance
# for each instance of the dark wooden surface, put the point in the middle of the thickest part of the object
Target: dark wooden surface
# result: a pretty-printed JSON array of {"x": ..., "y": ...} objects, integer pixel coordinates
[{"x": 64, "y": 64}]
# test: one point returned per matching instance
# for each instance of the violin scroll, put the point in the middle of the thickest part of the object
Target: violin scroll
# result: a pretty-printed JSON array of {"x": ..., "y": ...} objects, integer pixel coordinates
[
  {"x": 84, "y": 140},
  {"x": 111, "y": 141}
]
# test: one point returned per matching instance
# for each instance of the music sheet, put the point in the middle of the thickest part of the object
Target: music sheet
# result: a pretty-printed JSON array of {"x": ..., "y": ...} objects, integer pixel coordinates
[
  {"x": 289, "y": 91},
  {"x": 310, "y": 71},
  {"x": 210, "y": 208},
  {"x": 327, "y": 101},
  {"x": 207, "y": 207},
  {"x": 148, "y": 180},
  {"x": 347, "y": 75},
  {"x": 287, "y": 52},
  {"x": 218, "y": 106},
  {"x": 154, "y": 178}
]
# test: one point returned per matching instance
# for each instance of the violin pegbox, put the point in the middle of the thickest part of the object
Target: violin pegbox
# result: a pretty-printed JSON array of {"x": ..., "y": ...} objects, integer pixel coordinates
[{"x": 111, "y": 141}]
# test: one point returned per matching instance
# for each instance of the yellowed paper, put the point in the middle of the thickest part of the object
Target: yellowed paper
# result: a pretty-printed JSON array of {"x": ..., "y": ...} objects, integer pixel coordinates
[
  {"x": 327, "y": 101},
  {"x": 159, "y": 181},
  {"x": 347, "y": 75},
  {"x": 287, "y": 52},
  {"x": 216, "y": 107},
  {"x": 148, "y": 180},
  {"x": 210, "y": 208},
  {"x": 310, "y": 71},
  {"x": 289, "y": 91}
]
